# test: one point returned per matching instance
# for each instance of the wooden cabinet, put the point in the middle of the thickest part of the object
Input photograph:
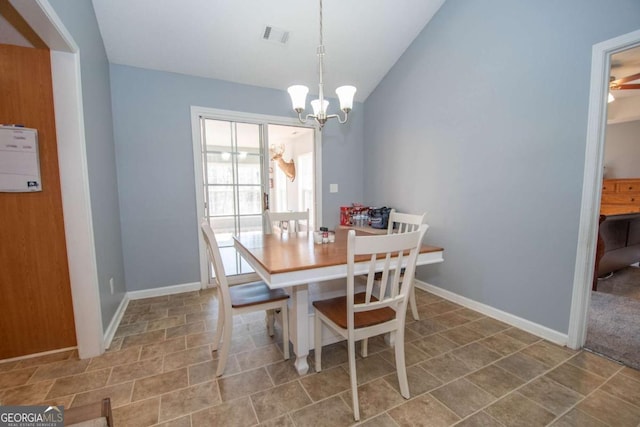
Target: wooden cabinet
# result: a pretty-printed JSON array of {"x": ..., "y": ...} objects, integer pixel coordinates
[{"x": 620, "y": 196}]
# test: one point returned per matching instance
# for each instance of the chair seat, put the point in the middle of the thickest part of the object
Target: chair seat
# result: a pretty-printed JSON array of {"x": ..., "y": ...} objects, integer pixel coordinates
[
  {"x": 336, "y": 310},
  {"x": 253, "y": 294}
]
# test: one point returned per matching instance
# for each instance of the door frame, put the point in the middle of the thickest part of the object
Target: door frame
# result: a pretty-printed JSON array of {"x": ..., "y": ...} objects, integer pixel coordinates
[
  {"x": 591, "y": 185},
  {"x": 237, "y": 116}
]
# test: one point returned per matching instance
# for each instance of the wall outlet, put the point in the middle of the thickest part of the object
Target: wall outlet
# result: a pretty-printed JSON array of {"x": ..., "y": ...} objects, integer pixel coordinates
[
  {"x": 333, "y": 188},
  {"x": 111, "y": 285}
]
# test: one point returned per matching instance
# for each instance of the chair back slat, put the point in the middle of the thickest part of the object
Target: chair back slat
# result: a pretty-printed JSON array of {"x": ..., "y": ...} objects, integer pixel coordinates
[
  {"x": 403, "y": 222},
  {"x": 286, "y": 221},
  {"x": 394, "y": 252}
]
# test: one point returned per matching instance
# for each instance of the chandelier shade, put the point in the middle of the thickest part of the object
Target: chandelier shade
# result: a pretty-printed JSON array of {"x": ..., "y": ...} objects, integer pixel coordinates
[{"x": 298, "y": 94}]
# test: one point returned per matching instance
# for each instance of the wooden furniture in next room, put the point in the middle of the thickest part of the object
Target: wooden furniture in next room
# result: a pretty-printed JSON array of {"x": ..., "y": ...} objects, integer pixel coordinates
[{"x": 619, "y": 231}]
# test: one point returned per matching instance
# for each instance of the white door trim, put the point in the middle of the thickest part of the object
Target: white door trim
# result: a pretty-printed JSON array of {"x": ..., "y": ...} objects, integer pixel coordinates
[
  {"x": 238, "y": 116},
  {"x": 591, "y": 186}
]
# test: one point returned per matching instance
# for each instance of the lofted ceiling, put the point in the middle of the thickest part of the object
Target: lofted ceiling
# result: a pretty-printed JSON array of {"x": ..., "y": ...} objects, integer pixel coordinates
[{"x": 223, "y": 39}]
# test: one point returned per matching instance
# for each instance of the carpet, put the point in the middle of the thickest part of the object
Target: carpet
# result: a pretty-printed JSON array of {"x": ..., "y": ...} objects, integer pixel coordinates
[
  {"x": 624, "y": 282},
  {"x": 613, "y": 328}
]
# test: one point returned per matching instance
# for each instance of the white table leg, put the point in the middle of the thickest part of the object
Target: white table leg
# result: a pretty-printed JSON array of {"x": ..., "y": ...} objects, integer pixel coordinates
[{"x": 300, "y": 326}]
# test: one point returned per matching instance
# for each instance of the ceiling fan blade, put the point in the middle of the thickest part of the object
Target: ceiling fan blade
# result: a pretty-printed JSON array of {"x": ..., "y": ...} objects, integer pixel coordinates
[
  {"x": 624, "y": 80},
  {"x": 629, "y": 86}
]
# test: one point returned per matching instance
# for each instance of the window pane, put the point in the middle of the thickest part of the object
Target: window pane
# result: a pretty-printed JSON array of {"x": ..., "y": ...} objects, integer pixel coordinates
[
  {"x": 248, "y": 168},
  {"x": 223, "y": 227},
  {"x": 221, "y": 200},
  {"x": 248, "y": 137},
  {"x": 218, "y": 135},
  {"x": 250, "y": 200},
  {"x": 219, "y": 168},
  {"x": 251, "y": 223}
]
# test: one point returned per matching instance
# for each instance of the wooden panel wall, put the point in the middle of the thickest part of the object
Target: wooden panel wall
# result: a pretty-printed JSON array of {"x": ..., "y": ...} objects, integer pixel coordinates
[{"x": 36, "y": 313}]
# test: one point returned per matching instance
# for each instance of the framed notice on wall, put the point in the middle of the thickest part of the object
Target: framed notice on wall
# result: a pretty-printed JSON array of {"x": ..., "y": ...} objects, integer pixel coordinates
[{"x": 19, "y": 160}]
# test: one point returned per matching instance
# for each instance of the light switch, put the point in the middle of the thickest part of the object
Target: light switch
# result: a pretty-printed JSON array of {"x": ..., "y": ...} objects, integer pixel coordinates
[{"x": 333, "y": 188}]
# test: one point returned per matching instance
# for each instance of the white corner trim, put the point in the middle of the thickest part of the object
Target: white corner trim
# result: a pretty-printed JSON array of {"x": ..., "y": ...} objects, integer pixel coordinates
[
  {"x": 115, "y": 321},
  {"x": 164, "y": 290},
  {"x": 518, "y": 322}
]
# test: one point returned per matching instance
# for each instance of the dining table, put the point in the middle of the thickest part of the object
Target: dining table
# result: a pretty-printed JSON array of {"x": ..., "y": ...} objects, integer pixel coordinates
[{"x": 292, "y": 261}]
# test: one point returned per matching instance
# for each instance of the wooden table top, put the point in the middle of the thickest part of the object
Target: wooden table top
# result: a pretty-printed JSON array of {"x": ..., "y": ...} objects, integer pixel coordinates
[{"x": 287, "y": 252}]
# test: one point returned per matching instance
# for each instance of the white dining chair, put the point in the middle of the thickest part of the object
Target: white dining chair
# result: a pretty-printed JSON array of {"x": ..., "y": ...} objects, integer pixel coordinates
[
  {"x": 402, "y": 223},
  {"x": 246, "y": 298},
  {"x": 286, "y": 221},
  {"x": 360, "y": 315}
]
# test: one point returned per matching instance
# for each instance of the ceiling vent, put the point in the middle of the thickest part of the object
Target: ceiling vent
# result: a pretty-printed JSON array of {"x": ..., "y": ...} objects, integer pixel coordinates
[{"x": 275, "y": 35}]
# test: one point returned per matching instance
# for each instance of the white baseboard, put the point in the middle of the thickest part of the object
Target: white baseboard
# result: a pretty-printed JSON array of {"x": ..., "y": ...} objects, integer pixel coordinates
[
  {"x": 115, "y": 321},
  {"x": 524, "y": 324},
  {"x": 165, "y": 290},
  {"x": 31, "y": 356}
]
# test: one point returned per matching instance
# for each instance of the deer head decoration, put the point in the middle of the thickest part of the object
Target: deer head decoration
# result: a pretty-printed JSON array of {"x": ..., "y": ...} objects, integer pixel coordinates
[{"x": 289, "y": 168}]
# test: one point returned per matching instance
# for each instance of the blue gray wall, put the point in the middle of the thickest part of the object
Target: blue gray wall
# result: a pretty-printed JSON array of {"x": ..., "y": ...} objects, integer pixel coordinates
[
  {"x": 152, "y": 125},
  {"x": 79, "y": 18},
  {"x": 483, "y": 122}
]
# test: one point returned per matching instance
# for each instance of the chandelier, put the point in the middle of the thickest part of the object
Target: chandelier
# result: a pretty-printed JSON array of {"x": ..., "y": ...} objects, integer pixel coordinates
[{"x": 298, "y": 94}]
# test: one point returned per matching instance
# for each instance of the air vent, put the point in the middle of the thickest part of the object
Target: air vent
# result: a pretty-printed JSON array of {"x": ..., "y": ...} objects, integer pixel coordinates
[{"x": 275, "y": 35}]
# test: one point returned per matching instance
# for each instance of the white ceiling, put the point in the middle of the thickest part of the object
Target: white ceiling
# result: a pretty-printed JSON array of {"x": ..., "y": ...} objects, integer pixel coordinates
[{"x": 222, "y": 39}]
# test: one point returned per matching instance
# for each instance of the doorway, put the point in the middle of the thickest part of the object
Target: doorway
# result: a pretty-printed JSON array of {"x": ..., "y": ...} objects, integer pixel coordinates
[
  {"x": 237, "y": 177},
  {"x": 593, "y": 174}
]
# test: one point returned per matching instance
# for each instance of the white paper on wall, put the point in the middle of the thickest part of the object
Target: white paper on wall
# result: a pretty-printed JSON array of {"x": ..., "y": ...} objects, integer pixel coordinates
[{"x": 19, "y": 160}]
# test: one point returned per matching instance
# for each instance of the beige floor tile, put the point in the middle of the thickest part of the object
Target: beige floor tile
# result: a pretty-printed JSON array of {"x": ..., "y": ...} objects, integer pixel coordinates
[
  {"x": 334, "y": 355},
  {"x": 115, "y": 358},
  {"x": 137, "y": 414},
  {"x": 115, "y": 345},
  {"x": 279, "y": 400},
  {"x": 548, "y": 354},
  {"x": 496, "y": 381},
  {"x": 151, "y": 315},
  {"x": 451, "y": 319},
  {"x": 16, "y": 377},
  {"x": 203, "y": 372},
  {"x": 420, "y": 381},
  {"x": 522, "y": 366},
  {"x": 595, "y": 364},
  {"x": 412, "y": 355},
  {"x": 159, "y": 384},
  {"x": 135, "y": 370},
  {"x": 58, "y": 401},
  {"x": 331, "y": 412},
  {"x": 43, "y": 360},
  {"x": 202, "y": 338},
  {"x": 184, "y": 401},
  {"x": 549, "y": 394},
  {"x": 611, "y": 410},
  {"x": 7, "y": 366},
  {"x": 186, "y": 329},
  {"x": 521, "y": 335},
  {"x": 285, "y": 371},
  {"x": 476, "y": 355},
  {"x": 446, "y": 367},
  {"x": 259, "y": 357},
  {"x": 469, "y": 314},
  {"x": 434, "y": 345},
  {"x": 461, "y": 335},
  {"x": 575, "y": 378},
  {"x": 79, "y": 383},
  {"x": 426, "y": 327},
  {"x": 131, "y": 329},
  {"x": 577, "y": 418},
  {"x": 59, "y": 369},
  {"x": 326, "y": 383},
  {"x": 371, "y": 367},
  {"x": 487, "y": 326},
  {"x": 382, "y": 420},
  {"x": 119, "y": 394},
  {"x": 517, "y": 411},
  {"x": 502, "y": 344},
  {"x": 145, "y": 338},
  {"x": 180, "y": 359},
  {"x": 480, "y": 419},
  {"x": 623, "y": 387},
  {"x": 167, "y": 322},
  {"x": 162, "y": 348},
  {"x": 462, "y": 397},
  {"x": 424, "y": 410},
  {"x": 178, "y": 422},
  {"x": 186, "y": 309},
  {"x": 239, "y": 410},
  {"x": 424, "y": 297},
  {"x": 437, "y": 309},
  {"x": 633, "y": 373},
  {"x": 29, "y": 394},
  {"x": 244, "y": 384},
  {"x": 374, "y": 397}
]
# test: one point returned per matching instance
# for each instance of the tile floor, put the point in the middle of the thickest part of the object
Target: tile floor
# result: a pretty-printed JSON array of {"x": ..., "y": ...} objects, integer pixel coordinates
[{"x": 465, "y": 369}]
